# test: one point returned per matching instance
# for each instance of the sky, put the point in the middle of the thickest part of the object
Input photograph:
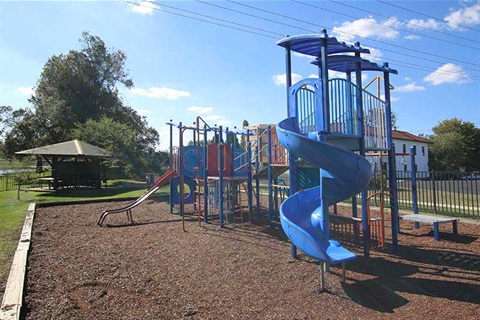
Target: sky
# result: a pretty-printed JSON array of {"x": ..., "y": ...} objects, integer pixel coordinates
[{"x": 219, "y": 59}]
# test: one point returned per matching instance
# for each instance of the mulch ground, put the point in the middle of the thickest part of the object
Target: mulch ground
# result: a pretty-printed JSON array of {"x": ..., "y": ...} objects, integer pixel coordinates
[{"x": 155, "y": 270}]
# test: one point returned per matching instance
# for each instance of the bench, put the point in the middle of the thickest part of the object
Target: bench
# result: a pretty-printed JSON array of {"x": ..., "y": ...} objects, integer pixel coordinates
[
  {"x": 419, "y": 218},
  {"x": 43, "y": 181}
]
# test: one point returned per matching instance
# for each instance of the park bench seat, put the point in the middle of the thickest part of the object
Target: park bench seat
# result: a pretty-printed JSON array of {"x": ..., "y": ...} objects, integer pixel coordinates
[{"x": 420, "y": 218}]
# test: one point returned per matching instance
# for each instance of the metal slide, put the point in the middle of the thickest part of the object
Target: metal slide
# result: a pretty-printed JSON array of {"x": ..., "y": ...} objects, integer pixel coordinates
[
  {"x": 159, "y": 183},
  {"x": 303, "y": 215}
]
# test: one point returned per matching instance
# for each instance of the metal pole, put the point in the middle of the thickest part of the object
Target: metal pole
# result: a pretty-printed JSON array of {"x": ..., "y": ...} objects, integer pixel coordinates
[
  {"x": 249, "y": 181},
  {"x": 172, "y": 164},
  {"x": 269, "y": 174},
  {"x": 413, "y": 151},
  {"x": 392, "y": 179},
  {"x": 220, "y": 173},
  {"x": 359, "y": 102},
  {"x": 205, "y": 174}
]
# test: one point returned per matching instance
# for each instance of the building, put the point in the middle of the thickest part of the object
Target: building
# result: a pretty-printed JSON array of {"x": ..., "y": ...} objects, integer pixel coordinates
[{"x": 403, "y": 142}]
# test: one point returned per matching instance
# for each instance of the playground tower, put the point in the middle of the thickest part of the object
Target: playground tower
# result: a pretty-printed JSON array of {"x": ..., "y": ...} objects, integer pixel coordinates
[{"x": 331, "y": 124}]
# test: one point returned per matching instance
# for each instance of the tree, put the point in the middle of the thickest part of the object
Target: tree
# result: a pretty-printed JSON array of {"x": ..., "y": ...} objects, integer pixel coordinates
[
  {"x": 455, "y": 146},
  {"x": 79, "y": 87},
  {"x": 26, "y": 133},
  {"x": 127, "y": 147}
]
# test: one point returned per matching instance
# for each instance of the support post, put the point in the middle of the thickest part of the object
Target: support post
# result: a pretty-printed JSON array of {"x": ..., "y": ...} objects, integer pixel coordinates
[
  {"x": 392, "y": 179},
  {"x": 361, "y": 131},
  {"x": 413, "y": 151},
  {"x": 205, "y": 175},
  {"x": 220, "y": 174},
  {"x": 269, "y": 174},
  {"x": 172, "y": 164},
  {"x": 249, "y": 179}
]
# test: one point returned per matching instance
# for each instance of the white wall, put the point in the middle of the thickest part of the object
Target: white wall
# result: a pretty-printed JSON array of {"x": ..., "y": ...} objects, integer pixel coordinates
[
  {"x": 421, "y": 158},
  {"x": 404, "y": 163}
]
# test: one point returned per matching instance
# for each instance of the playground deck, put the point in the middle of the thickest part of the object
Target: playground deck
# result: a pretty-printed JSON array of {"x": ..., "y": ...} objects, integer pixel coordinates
[{"x": 154, "y": 270}]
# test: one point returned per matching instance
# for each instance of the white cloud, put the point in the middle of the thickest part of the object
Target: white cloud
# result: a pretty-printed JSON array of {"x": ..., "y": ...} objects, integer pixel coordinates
[
  {"x": 301, "y": 55},
  {"x": 217, "y": 120},
  {"x": 144, "y": 111},
  {"x": 392, "y": 98},
  {"x": 469, "y": 16},
  {"x": 422, "y": 24},
  {"x": 412, "y": 37},
  {"x": 200, "y": 110},
  {"x": 28, "y": 91},
  {"x": 144, "y": 7},
  {"x": 411, "y": 87},
  {"x": 281, "y": 79},
  {"x": 162, "y": 92},
  {"x": 335, "y": 75},
  {"x": 375, "y": 55},
  {"x": 448, "y": 73},
  {"x": 367, "y": 28}
]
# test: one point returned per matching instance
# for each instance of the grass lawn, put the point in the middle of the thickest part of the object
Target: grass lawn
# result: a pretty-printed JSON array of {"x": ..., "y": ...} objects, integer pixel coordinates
[{"x": 13, "y": 210}]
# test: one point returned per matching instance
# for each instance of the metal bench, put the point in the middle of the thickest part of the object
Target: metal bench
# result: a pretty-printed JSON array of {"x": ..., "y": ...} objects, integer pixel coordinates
[{"x": 419, "y": 218}]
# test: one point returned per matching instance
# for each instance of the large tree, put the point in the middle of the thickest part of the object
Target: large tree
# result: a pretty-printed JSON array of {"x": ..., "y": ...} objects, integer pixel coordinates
[
  {"x": 77, "y": 87},
  {"x": 82, "y": 85},
  {"x": 455, "y": 146}
]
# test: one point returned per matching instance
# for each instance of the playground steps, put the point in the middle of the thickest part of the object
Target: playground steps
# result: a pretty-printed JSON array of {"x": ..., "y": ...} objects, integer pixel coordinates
[{"x": 277, "y": 170}]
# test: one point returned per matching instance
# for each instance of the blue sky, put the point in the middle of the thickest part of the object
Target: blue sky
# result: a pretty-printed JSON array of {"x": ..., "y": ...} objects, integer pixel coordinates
[{"x": 183, "y": 67}]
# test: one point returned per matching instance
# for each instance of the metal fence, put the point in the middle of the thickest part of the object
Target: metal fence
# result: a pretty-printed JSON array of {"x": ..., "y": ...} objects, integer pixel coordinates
[
  {"x": 451, "y": 193},
  {"x": 27, "y": 179}
]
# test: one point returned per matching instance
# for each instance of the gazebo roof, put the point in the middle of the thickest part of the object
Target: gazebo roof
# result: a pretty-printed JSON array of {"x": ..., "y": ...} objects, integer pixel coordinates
[{"x": 74, "y": 148}]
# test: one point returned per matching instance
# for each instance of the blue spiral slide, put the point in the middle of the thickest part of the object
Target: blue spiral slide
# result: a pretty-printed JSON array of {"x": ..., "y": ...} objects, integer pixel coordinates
[{"x": 304, "y": 215}]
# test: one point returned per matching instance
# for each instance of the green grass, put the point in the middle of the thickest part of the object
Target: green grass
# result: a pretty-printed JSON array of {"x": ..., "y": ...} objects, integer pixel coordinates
[{"x": 13, "y": 210}]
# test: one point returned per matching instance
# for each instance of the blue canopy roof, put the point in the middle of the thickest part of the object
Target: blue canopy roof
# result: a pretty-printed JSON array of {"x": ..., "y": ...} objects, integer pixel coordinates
[
  {"x": 311, "y": 44},
  {"x": 347, "y": 63}
]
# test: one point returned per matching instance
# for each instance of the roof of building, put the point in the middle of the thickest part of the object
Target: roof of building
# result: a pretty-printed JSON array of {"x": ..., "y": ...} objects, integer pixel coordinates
[
  {"x": 403, "y": 135},
  {"x": 74, "y": 148}
]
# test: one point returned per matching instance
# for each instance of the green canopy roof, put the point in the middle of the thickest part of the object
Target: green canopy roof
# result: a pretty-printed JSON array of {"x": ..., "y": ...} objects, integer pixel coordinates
[{"x": 74, "y": 148}]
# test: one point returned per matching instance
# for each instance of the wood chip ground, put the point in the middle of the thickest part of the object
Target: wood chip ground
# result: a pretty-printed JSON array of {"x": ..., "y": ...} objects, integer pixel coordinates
[{"x": 155, "y": 270}]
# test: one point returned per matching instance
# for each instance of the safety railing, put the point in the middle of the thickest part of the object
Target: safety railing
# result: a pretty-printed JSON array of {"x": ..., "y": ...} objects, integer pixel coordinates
[
  {"x": 278, "y": 152},
  {"x": 375, "y": 122},
  {"x": 343, "y": 114},
  {"x": 343, "y": 111}
]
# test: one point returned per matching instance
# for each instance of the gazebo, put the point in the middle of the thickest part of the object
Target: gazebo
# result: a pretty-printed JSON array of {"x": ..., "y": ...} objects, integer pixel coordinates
[{"x": 74, "y": 163}]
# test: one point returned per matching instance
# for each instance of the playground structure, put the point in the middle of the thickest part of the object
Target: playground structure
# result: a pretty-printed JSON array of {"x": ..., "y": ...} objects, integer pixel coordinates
[
  {"x": 220, "y": 177},
  {"x": 331, "y": 124}
]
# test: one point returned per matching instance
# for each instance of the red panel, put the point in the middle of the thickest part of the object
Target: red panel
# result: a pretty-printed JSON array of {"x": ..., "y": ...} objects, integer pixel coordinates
[{"x": 212, "y": 160}]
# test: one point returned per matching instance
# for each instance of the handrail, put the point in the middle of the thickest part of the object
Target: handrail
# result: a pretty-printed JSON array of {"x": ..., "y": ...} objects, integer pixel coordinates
[{"x": 259, "y": 137}]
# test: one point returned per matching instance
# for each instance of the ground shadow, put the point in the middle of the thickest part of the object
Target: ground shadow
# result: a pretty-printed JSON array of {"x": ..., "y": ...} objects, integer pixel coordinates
[
  {"x": 381, "y": 293},
  {"x": 444, "y": 236},
  {"x": 466, "y": 261}
]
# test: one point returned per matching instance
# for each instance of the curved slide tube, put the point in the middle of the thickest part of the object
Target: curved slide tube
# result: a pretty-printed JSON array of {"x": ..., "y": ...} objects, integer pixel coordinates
[
  {"x": 302, "y": 215},
  {"x": 159, "y": 183}
]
